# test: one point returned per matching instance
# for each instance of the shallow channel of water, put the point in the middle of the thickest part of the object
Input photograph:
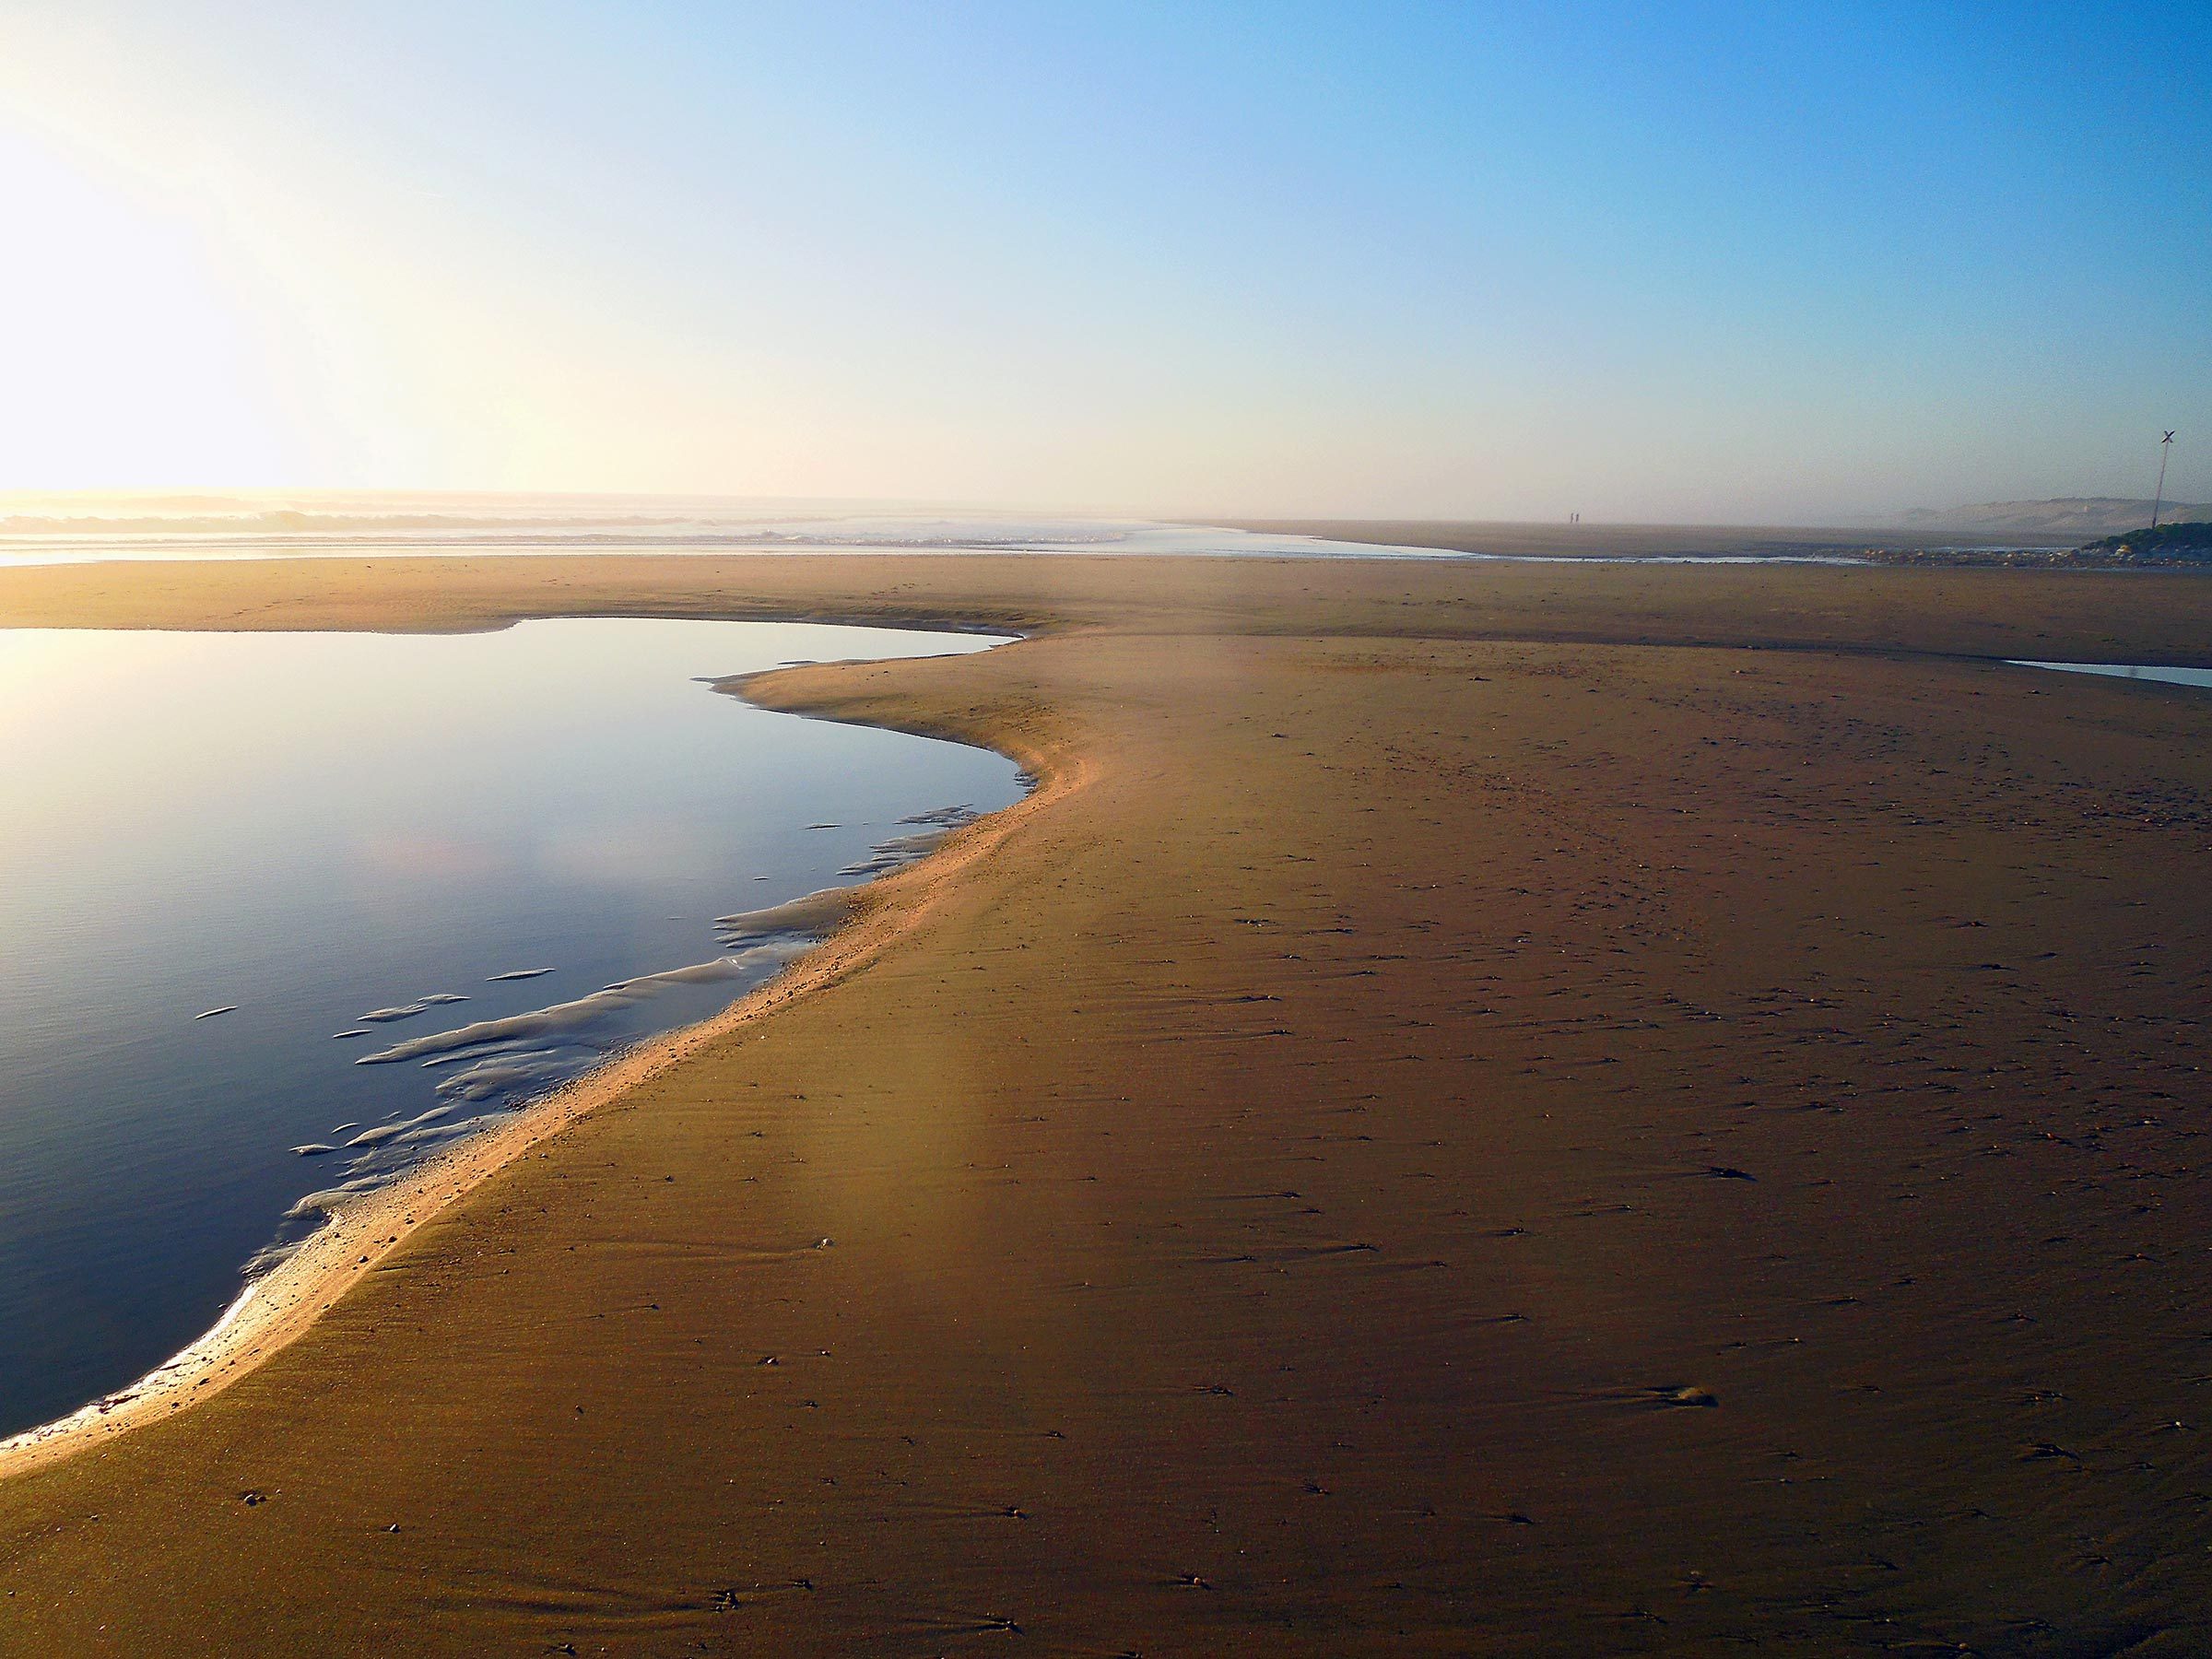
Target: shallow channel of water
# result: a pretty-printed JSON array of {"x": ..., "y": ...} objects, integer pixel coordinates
[{"x": 2134, "y": 671}]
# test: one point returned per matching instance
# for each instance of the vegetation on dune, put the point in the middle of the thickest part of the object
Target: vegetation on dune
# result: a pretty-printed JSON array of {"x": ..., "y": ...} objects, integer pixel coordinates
[{"x": 2185, "y": 543}]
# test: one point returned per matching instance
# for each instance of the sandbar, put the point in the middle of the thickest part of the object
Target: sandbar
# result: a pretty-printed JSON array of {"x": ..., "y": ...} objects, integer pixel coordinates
[{"x": 1480, "y": 1108}]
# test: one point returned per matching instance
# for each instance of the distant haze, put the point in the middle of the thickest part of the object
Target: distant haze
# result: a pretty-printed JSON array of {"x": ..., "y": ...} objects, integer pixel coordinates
[
  {"x": 2081, "y": 516},
  {"x": 1757, "y": 264},
  {"x": 404, "y": 517}
]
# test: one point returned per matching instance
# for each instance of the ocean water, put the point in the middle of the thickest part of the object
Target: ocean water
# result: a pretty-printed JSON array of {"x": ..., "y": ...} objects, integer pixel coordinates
[
  {"x": 242, "y": 531},
  {"x": 324, "y": 526},
  {"x": 281, "y": 913}
]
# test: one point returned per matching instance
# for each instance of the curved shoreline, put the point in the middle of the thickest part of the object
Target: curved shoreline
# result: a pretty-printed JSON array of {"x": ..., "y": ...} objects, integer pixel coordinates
[
  {"x": 1282, "y": 1198},
  {"x": 274, "y": 1310}
]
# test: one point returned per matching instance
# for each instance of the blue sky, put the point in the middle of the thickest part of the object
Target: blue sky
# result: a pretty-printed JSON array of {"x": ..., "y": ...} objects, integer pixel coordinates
[{"x": 1729, "y": 262}]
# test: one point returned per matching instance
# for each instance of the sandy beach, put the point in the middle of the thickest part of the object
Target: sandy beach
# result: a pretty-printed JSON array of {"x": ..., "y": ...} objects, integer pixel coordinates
[{"x": 1480, "y": 1109}]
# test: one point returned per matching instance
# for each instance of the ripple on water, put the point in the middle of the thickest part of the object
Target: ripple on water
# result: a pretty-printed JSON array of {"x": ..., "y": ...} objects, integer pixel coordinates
[{"x": 501, "y": 807}]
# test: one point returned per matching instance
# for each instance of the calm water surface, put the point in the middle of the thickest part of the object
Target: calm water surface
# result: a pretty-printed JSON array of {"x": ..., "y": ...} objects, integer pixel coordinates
[
  {"x": 249, "y": 535},
  {"x": 2166, "y": 676},
  {"x": 311, "y": 832}
]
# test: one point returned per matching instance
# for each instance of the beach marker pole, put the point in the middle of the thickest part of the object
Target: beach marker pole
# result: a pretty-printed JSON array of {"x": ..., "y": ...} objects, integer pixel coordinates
[{"x": 2165, "y": 449}]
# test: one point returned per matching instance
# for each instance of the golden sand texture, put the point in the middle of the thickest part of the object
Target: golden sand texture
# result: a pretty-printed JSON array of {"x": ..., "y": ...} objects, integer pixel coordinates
[{"x": 1480, "y": 1111}]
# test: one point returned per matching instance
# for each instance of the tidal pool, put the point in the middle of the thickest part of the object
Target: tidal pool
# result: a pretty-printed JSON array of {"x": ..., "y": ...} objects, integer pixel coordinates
[
  {"x": 280, "y": 913},
  {"x": 2134, "y": 671}
]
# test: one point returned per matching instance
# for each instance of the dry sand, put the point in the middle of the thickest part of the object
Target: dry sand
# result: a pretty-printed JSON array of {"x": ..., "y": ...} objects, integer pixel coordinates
[{"x": 1485, "y": 1109}]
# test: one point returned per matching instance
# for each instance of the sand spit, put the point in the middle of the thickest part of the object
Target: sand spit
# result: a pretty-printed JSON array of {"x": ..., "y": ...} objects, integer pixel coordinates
[{"x": 1279, "y": 1201}]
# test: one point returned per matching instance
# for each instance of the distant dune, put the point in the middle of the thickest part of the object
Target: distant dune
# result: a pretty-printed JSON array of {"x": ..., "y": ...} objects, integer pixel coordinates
[{"x": 2081, "y": 516}]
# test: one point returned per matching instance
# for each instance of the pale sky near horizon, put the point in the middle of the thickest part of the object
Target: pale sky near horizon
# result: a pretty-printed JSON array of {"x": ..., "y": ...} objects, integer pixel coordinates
[{"x": 1819, "y": 263}]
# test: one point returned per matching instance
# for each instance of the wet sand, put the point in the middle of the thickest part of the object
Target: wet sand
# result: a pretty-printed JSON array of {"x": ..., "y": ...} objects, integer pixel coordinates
[
  {"x": 1495, "y": 1110},
  {"x": 1555, "y": 540}
]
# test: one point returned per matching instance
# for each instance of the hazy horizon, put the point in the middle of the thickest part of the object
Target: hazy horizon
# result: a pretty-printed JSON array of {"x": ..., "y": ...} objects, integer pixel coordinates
[
  {"x": 174, "y": 507},
  {"x": 1727, "y": 266}
]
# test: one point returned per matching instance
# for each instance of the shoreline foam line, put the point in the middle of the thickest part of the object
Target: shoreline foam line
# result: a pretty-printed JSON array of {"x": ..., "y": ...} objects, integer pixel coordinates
[{"x": 276, "y": 1309}]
